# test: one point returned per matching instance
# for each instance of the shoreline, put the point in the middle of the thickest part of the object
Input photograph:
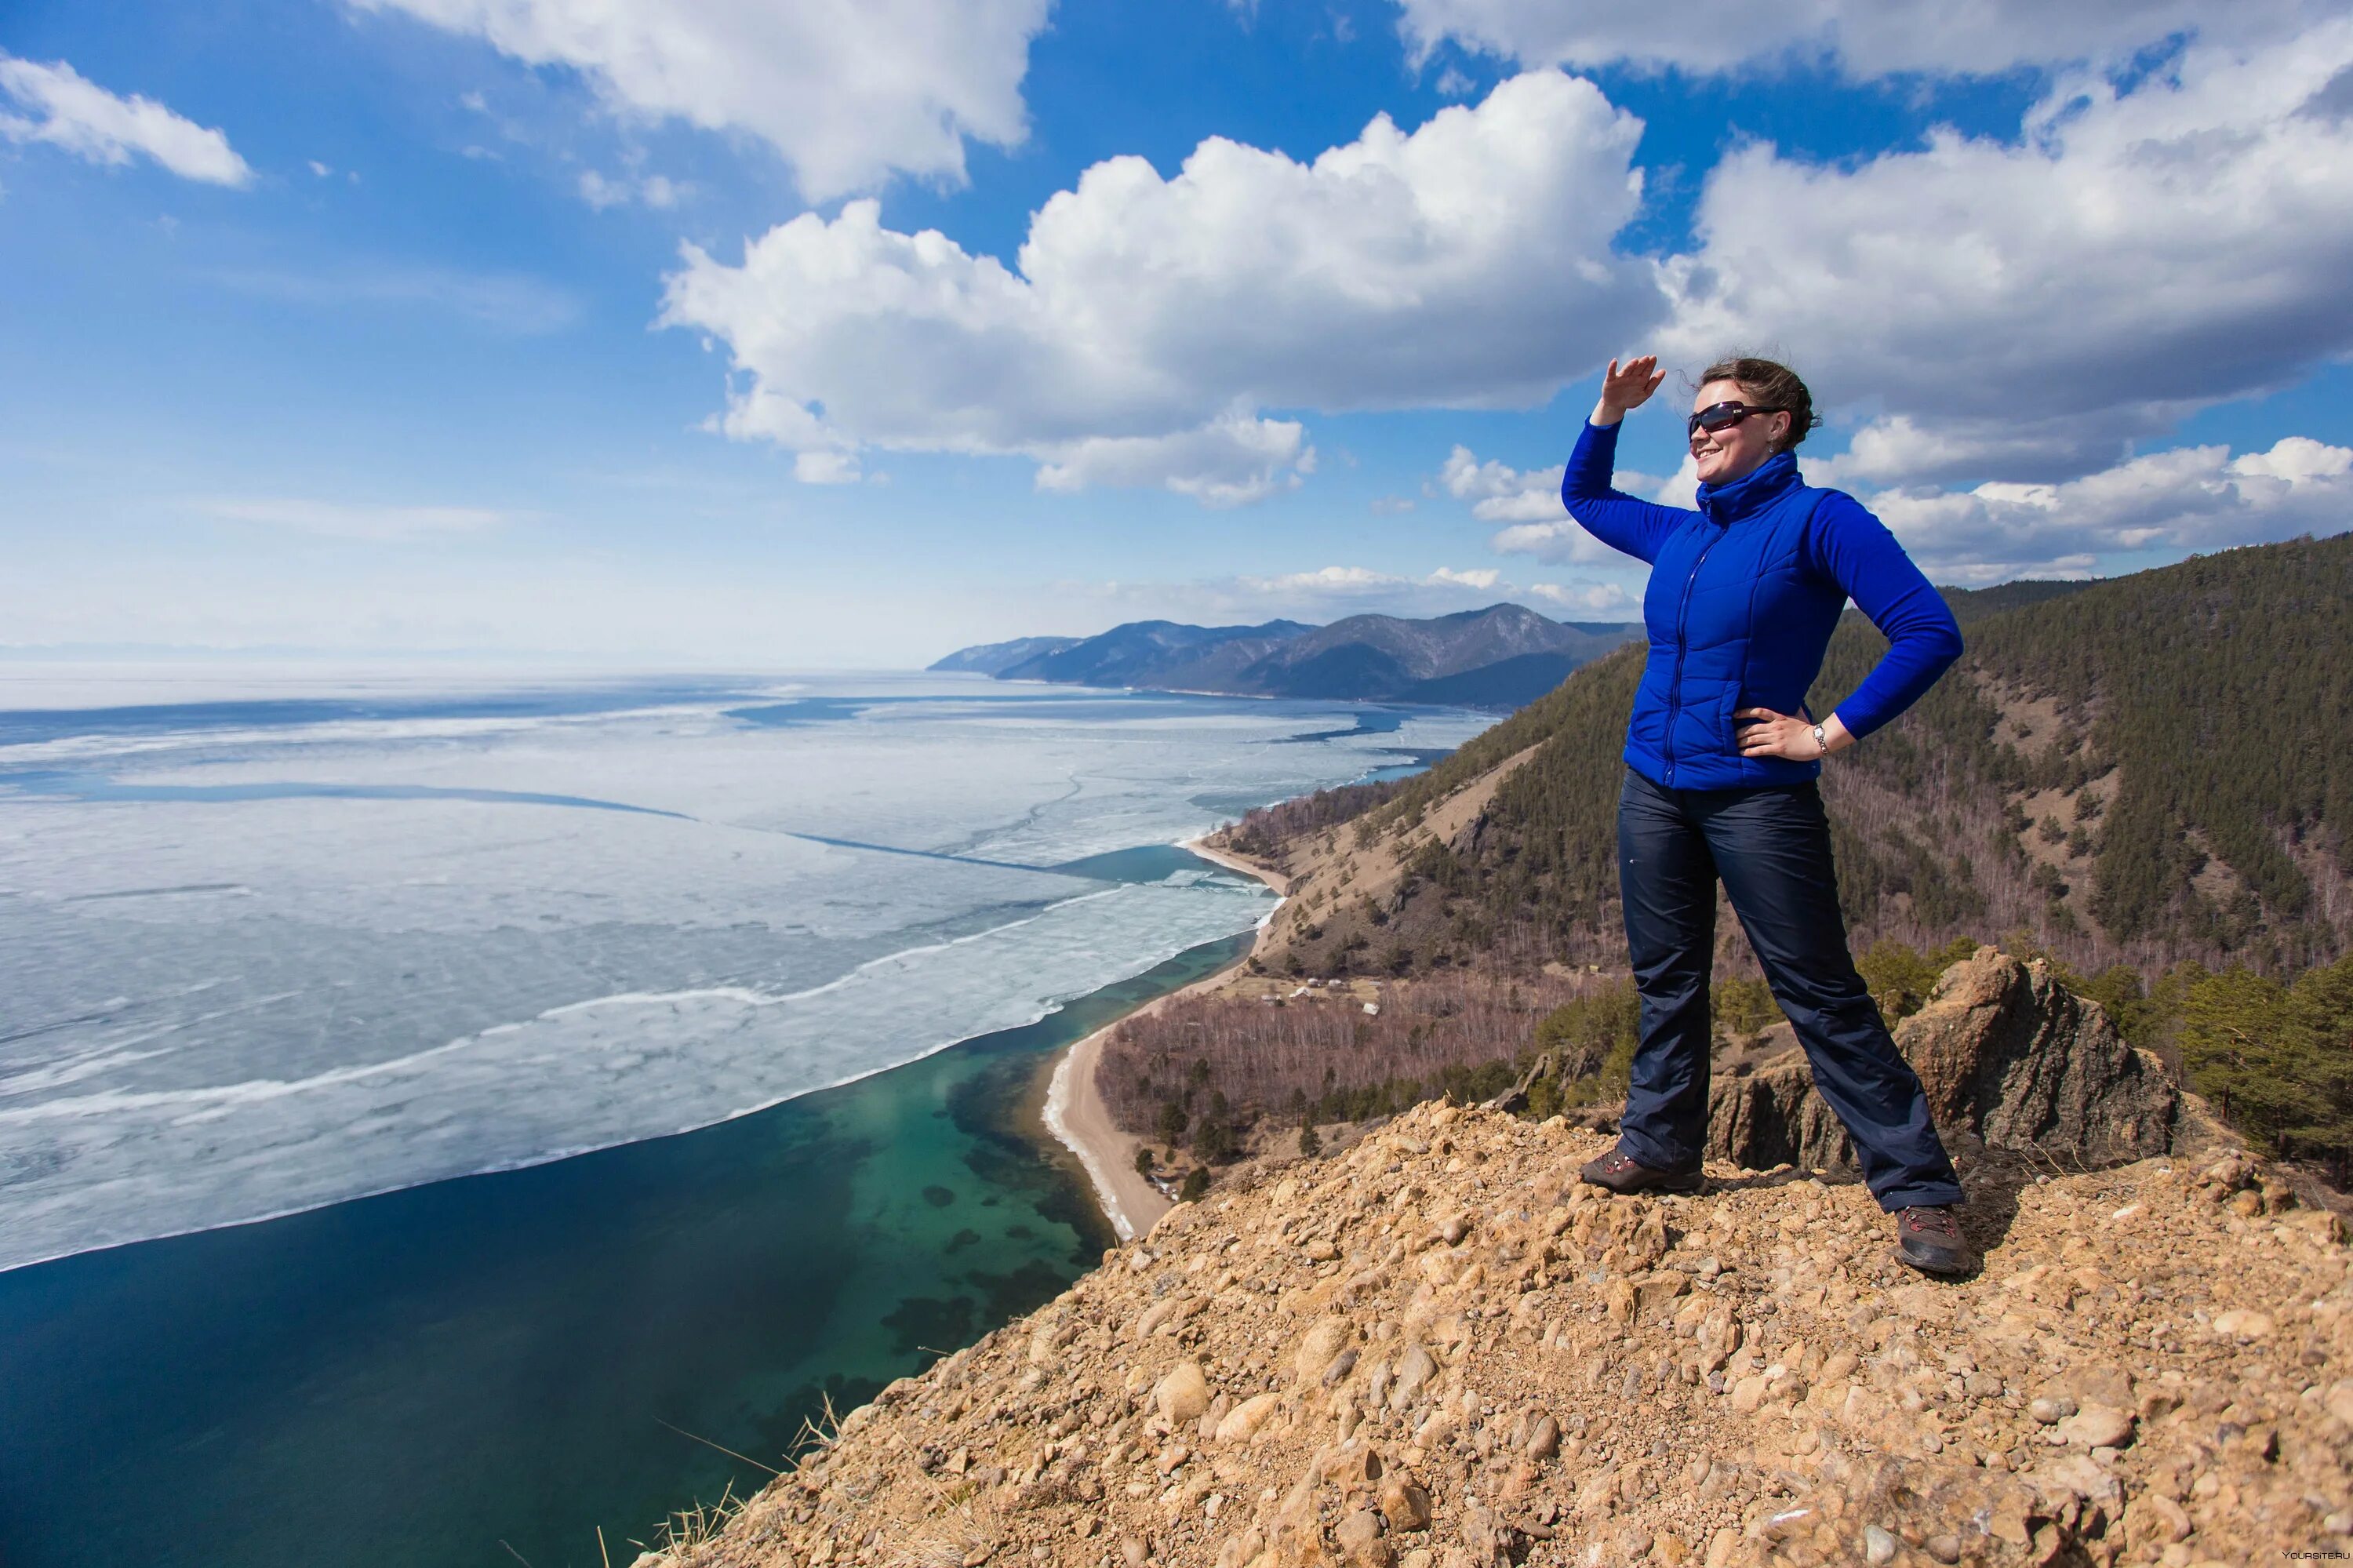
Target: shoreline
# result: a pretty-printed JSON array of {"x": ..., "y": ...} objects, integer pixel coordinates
[{"x": 1075, "y": 1116}]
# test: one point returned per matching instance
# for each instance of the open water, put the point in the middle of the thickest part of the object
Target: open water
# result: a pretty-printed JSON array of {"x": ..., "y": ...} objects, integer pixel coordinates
[{"x": 521, "y": 1012}]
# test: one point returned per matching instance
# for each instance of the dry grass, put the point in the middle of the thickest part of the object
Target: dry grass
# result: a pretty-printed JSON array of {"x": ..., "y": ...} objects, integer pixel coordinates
[
  {"x": 952, "y": 1540},
  {"x": 687, "y": 1531}
]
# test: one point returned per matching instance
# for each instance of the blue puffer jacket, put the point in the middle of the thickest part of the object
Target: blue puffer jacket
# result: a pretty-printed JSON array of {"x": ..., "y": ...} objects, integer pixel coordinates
[{"x": 1744, "y": 595}]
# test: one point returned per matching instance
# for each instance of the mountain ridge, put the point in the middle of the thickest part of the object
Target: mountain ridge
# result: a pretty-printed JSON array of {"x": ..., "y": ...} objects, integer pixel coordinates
[{"x": 1498, "y": 657}]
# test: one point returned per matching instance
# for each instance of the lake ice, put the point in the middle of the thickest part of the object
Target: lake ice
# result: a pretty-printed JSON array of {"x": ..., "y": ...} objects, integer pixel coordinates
[{"x": 264, "y": 955}]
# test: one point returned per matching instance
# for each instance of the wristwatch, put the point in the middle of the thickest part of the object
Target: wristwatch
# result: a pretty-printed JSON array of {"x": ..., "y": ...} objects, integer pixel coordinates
[{"x": 1822, "y": 743}]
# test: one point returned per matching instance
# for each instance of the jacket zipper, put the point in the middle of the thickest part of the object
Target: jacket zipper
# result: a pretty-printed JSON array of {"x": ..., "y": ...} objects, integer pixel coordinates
[{"x": 1682, "y": 641}]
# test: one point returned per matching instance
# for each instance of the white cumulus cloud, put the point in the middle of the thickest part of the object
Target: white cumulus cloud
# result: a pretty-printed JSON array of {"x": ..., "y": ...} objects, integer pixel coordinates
[
  {"x": 65, "y": 109},
  {"x": 2191, "y": 498},
  {"x": 848, "y": 91},
  {"x": 1148, "y": 322},
  {"x": 1497, "y": 492},
  {"x": 2025, "y": 308},
  {"x": 1866, "y": 37}
]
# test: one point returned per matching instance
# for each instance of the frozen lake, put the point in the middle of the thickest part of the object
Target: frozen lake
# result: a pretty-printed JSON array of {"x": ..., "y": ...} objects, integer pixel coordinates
[{"x": 271, "y": 946}]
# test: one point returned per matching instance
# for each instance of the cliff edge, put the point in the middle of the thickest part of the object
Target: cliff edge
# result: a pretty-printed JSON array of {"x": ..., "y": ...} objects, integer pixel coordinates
[{"x": 1437, "y": 1351}]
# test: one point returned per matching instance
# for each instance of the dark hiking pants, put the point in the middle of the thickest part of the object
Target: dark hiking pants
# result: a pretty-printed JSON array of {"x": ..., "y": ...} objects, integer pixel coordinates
[{"x": 1771, "y": 846}]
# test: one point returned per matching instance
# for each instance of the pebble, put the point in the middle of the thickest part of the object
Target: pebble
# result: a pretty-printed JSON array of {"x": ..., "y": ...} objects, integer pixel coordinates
[
  {"x": 1182, "y": 1394},
  {"x": 2243, "y": 1323},
  {"x": 2098, "y": 1427},
  {"x": 1405, "y": 1504}
]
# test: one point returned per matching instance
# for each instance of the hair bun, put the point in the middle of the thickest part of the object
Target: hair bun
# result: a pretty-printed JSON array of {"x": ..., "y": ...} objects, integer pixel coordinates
[{"x": 1772, "y": 385}]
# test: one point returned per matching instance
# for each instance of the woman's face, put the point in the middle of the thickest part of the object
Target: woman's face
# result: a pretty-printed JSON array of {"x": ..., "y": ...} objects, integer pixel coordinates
[{"x": 1736, "y": 450}]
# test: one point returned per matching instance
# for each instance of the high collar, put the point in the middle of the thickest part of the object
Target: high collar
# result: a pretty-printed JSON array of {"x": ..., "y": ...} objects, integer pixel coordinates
[{"x": 1752, "y": 492}]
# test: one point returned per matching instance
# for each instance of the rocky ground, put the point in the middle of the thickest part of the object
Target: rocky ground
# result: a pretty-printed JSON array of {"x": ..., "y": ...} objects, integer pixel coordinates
[{"x": 1436, "y": 1351}]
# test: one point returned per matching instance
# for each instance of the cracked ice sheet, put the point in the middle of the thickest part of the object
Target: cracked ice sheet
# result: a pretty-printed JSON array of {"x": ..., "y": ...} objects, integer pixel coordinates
[{"x": 226, "y": 1008}]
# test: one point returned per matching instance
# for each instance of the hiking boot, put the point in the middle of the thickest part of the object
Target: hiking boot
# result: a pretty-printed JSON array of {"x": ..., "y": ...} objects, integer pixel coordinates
[
  {"x": 1621, "y": 1172},
  {"x": 1929, "y": 1239}
]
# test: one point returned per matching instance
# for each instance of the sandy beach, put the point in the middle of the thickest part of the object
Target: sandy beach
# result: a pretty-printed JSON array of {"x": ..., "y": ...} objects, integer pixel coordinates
[
  {"x": 1077, "y": 1116},
  {"x": 1274, "y": 879}
]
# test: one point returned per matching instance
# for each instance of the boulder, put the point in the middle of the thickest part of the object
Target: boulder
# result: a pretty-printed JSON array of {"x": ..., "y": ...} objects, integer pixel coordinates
[
  {"x": 2005, "y": 1051},
  {"x": 2006, "y": 1054}
]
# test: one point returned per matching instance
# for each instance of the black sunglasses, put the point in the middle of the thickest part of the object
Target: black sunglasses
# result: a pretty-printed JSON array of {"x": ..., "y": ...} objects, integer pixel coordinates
[{"x": 1723, "y": 416}]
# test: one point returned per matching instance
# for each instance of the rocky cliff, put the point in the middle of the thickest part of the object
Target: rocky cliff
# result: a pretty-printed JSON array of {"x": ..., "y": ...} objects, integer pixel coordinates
[{"x": 1434, "y": 1350}]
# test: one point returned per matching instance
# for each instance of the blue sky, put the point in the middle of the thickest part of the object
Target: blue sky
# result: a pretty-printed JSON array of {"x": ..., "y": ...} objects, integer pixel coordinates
[{"x": 786, "y": 333}]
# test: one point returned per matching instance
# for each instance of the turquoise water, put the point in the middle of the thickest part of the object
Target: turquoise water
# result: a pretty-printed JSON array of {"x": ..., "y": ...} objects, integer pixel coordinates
[{"x": 481, "y": 1371}]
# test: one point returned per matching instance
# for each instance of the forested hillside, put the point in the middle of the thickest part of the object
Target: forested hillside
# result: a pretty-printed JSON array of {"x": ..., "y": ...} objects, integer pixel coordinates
[{"x": 2144, "y": 771}]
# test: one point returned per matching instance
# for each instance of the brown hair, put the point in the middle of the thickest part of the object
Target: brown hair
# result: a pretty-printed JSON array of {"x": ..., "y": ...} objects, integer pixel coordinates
[{"x": 1775, "y": 386}]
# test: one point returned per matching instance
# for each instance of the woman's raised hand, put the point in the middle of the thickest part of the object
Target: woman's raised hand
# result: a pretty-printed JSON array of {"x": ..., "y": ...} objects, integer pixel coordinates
[{"x": 1627, "y": 388}]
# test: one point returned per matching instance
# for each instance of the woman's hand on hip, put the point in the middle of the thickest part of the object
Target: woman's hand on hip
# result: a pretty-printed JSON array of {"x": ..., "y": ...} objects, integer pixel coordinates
[
  {"x": 1764, "y": 732},
  {"x": 1626, "y": 389}
]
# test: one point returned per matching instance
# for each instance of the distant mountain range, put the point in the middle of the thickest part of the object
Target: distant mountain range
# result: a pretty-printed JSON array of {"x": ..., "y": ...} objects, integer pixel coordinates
[{"x": 1501, "y": 657}]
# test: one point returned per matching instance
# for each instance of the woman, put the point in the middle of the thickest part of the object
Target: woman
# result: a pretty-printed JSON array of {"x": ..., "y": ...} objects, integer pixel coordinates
[{"x": 1722, "y": 757}]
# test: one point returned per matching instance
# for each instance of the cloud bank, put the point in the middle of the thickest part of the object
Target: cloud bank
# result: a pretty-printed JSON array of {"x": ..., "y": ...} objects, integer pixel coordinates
[
  {"x": 1863, "y": 37},
  {"x": 2024, "y": 308},
  {"x": 2193, "y": 498}
]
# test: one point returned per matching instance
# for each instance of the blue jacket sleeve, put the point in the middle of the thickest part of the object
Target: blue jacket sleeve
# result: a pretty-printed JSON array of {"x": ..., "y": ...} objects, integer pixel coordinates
[
  {"x": 1620, "y": 521},
  {"x": 1855, "y": 550}
]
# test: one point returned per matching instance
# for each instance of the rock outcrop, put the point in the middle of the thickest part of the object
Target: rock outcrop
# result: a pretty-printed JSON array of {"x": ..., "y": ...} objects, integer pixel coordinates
[
  {"x": 2005, "y": 1051},
  {"x": 1762, "y": 1110},
  {"x": 1438, "y": 1351},
  {"x": 2008, "y": 1056}
]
